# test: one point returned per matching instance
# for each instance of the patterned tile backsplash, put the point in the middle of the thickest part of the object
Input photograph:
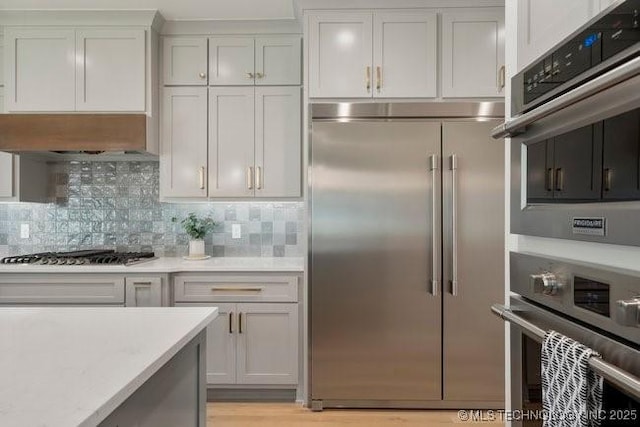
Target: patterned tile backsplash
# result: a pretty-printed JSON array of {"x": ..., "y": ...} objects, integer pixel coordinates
[{"x": 116, "y": 205}]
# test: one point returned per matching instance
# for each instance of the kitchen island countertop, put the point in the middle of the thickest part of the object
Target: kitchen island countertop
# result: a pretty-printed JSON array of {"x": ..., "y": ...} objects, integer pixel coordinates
[
  {"x": 171, "y": 265},
  {"x": 75, "y": 366}
]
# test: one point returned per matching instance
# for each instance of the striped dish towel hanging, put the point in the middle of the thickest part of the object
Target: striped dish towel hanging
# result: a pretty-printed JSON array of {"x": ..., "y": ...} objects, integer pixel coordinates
[{"x": 571, "y": 391}]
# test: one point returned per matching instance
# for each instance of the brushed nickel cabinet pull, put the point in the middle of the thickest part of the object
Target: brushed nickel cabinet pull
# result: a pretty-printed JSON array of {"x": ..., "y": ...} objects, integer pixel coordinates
[
  {"x": 549, "y": 179},
  {"x": 203, "y": 75},
  {"x": 607, "y": 179},
  {"x": 259, "y": 178},
  {"x": 240, "y": 322},
  {"x": 501, "y": 78},
  {"x": 201, "y": 177},
  {"x": 249, "y": 75},
  {"x": 231, "y": 322},
  {"x": 368, "y": 78},
  {"x": 259, "y": 75},
  {"x": 250, "y": 178},
  {"x": 378, "y": 78},
  {"x": 559, "y": 179}
]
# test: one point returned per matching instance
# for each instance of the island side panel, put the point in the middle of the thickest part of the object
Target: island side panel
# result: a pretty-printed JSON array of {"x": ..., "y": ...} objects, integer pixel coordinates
[{"x": 173, "y": 396}]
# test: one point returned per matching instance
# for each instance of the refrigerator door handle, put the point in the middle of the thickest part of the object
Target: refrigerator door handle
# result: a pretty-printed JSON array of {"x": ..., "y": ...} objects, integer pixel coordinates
[
  {"x": 454, "y": 225},
  {"x": 433, "y": 166}
]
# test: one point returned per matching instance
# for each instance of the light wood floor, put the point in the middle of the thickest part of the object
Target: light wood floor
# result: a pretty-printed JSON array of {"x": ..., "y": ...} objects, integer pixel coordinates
[{"x": 293, "y": 415}]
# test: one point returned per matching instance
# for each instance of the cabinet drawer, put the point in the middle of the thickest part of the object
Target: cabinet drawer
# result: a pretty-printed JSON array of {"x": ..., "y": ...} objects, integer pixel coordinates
[
  {"x": 236, "y": 288},
  {"x": 94, "y": 289}
]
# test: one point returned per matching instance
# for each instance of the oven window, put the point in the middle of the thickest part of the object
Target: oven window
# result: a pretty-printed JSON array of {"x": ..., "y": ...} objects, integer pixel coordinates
[{"x": 615, "y": 403}]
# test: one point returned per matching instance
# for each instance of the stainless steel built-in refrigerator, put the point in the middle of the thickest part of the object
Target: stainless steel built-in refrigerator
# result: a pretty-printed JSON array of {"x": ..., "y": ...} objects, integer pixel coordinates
[{"x": 406, "y": 256}]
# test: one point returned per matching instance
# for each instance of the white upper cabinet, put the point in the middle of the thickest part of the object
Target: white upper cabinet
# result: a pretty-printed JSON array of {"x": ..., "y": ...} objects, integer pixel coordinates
[
  {"x": 473, "y": 53},
  {"x": 277, "y": 142},
  {"x": 184, "y": 61},
  {"x": 340, "y": 55},
  {"x": 405, "y": 55},
  {"x": 231, "y": 61},
  {"x": 40, "y": 69},
  {"x": 278, "y": 60},
  {"x": 543, "y": 23},
  {"x": 78, "y": 69},
  {"x": 183, "y": 153},
  {"x": 110, "y": 70},
  {"x": 1, "y": 65},
  {"x": 6, "y": 165},
  {"x": 231, "y": 142}
]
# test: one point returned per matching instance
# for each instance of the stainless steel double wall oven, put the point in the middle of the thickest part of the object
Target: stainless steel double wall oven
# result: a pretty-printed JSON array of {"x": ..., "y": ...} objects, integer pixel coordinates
[{"x": 575, "y": 174}]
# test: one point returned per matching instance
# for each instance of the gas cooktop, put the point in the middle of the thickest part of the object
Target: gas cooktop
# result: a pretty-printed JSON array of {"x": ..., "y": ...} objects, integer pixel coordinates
[{"x": 84, "y": 257}]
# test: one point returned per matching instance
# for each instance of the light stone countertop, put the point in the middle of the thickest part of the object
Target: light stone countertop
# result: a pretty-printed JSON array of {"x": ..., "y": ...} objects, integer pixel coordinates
[
  {"x": 170, "y": 265},
  {"x": 74, "y": 366}
]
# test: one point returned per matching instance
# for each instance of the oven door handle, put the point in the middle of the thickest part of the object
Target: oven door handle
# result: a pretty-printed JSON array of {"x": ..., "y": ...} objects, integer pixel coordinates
[
  {"x": 623, "y": 379},
  {"x": 518, "y": 125}
]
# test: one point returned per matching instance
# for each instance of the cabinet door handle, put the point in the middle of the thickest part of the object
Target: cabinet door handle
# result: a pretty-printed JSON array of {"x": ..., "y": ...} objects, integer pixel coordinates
[
  {"x": 201, "y": 177},
  {"x": 231, "y": 322},
  {"x": 259, "y": 75},
  {"x": 203, "y": 75},
  {"x": 378, "y": 78},
  {"x": 259, "y": 178},
  {"x": 559, "y": 179},
  {"x": 549, "y": 179},
  {"x": 501, "y": 78},
  {"x": 237, "y": 289},
  {"x": 249, "y": 75},
  {"x": 368, "y": 78},
  {"x": 607, "y": 179},
  {"x": 250, "y": 177},
  {"x": 240, "y": 322}
]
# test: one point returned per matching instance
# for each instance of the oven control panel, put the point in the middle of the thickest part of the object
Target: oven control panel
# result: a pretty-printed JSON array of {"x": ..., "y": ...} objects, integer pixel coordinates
[
  {"x": 598, "y": 46},
  {"x": 603, "y": 296}
]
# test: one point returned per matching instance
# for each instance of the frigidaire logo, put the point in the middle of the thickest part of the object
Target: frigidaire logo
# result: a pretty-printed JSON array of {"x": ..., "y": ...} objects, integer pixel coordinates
[
  {"x": 593, "y": 226},
  {"x": 588, "y": 223}
]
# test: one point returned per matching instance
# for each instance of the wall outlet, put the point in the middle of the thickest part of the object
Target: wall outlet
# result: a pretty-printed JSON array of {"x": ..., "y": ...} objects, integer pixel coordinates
[
  {"x": 236, "y": 231},
  {"x": 24, "y": 231}
]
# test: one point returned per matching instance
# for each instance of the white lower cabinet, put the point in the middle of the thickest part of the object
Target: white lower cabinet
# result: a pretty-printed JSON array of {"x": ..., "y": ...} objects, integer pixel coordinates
[
  {"x": 249, "y": 343},
  {"x": 143, "y": 291},
  {"x": 267, "y": 343}
]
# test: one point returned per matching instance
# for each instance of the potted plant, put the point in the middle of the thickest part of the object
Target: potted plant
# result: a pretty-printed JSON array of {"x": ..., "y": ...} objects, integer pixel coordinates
[{"x": 196, "y": 228}]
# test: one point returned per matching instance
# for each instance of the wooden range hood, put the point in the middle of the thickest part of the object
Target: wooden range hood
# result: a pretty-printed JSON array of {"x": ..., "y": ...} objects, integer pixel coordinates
[{"x": 93, "y": 133}]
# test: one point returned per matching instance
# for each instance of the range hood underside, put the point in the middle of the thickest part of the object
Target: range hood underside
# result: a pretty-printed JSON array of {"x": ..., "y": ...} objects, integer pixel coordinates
[{"x": 91, "y": 133}]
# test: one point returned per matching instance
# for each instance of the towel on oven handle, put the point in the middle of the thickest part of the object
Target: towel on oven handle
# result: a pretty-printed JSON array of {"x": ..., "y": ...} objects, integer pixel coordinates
[{"x": 571, "y": 391}]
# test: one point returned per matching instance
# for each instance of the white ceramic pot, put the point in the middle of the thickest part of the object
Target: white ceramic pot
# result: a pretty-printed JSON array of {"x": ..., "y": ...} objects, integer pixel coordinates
[{"x": 196, "y": 248}]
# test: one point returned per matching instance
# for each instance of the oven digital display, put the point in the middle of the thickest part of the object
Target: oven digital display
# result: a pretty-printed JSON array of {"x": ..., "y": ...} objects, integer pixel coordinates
[{"x": 591, "y": 295}]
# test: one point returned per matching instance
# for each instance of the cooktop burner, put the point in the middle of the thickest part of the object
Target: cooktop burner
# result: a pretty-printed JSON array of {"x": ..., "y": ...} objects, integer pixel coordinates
[{"x": 84, "y": 257}]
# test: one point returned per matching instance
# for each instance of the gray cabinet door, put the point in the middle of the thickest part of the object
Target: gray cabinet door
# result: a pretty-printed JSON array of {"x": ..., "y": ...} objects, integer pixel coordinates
[
  {"x": 540, "y": 171},
  {"x": 143, "y": 291},
  {"x": 267, "y": 351},
  {"x": 231, "y": 61},
  {"x": 621, "y": 157},
  {"x": 221, "y": 343},
  {"x": 183, "y": 155},
  {"x": 231, "y": 142},
  {"x": 577, "y": 159},
  {"x": 473, "y": 194},
  {"x": 184, "y": 61},
  {"x": 278, "y": 143}
]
